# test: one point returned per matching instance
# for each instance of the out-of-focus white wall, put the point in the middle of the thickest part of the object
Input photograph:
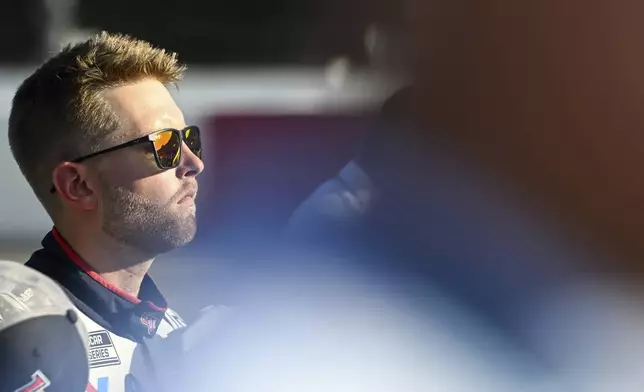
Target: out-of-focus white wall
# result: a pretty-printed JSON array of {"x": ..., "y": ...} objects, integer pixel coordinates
[
  {"x": 21, "y": 216},
  {"x": 204, "y": 93}
]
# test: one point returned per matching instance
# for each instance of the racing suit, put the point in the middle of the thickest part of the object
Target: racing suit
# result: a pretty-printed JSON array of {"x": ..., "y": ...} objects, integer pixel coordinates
[{"x": 121, "y": 327}]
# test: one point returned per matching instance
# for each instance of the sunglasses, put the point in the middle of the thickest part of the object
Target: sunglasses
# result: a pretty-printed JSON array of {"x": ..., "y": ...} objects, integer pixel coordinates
[{"x": 166, "y": 145}]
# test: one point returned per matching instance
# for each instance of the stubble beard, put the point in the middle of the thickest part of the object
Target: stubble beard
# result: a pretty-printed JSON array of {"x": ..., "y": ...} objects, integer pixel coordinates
[{"x": 136, "y": 221}]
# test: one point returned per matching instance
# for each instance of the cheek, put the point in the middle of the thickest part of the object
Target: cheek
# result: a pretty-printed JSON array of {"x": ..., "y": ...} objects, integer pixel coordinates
[
  {"x": 159, "y": 188},
  {"x": 122, "y": 168}
]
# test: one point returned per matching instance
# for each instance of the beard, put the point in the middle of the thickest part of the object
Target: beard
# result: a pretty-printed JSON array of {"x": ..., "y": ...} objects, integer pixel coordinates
[{"x": 152, "y": 228}]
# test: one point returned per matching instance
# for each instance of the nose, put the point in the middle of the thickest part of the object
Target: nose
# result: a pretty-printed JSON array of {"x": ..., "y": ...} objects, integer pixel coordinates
[{"x": 191, "y": 165}]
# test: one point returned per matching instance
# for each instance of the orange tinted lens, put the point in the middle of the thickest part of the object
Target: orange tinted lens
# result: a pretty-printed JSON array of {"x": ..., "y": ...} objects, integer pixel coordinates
[
  {"x": 193, "y": 140},
  {"x": 167, "y": 145}
]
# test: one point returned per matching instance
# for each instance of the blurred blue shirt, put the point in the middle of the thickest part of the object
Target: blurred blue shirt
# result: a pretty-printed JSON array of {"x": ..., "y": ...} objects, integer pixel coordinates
[{"x": 338, "y": 204}]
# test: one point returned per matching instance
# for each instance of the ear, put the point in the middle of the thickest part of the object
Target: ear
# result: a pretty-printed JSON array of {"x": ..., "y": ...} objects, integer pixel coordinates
[{"x": 72, "y": 186}]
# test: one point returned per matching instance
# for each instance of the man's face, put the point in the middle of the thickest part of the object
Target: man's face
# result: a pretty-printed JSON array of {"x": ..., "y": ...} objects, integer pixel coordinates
[{"x": 141, "y": 205}]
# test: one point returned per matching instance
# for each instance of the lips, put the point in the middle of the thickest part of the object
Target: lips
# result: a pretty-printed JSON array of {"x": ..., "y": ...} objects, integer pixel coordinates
[
  {"x": 188, "y": 196},
  {"x": 186, "y": 199}
]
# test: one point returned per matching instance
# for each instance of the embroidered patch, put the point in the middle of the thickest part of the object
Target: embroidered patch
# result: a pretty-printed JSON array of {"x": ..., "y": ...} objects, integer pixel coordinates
[{"x": 101, "y": 350}]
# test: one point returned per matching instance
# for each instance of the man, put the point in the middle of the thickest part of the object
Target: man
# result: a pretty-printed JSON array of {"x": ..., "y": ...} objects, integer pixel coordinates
[
  {"x": 38, "y": 328},
  {"x": 107, "y": 152}
]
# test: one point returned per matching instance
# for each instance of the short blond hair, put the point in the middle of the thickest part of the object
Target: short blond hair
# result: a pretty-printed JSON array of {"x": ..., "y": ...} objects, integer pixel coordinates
[{"x": 59, "y": 113}]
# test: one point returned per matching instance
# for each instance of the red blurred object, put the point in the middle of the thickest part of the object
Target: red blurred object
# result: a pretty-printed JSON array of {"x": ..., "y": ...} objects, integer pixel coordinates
[{"x": 260, "y": 167}]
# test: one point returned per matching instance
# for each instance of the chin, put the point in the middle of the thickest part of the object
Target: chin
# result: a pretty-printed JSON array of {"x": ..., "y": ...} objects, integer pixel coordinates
[
  {"x": 186, "y": 238},
  {"x": 157, "y": 232},
  {"x": 186, "y": 233},
  {"x": 167, "y": 243},
  {"x": 181, "y": 234},
  {"x": 185, "y": 212}
]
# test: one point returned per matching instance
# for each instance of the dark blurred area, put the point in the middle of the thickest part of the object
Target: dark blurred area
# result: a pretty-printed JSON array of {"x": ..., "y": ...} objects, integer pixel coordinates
[
  {"x": 27, "y": 25},
  {"x": 220, "y": 33}
]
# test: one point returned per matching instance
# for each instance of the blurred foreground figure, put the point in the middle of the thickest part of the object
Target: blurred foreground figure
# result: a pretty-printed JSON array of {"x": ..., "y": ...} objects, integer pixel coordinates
[
  {"x": 522, "y": 196},
  {"x": 446, "y": 267},
  {"x": 43, "y": 344}
]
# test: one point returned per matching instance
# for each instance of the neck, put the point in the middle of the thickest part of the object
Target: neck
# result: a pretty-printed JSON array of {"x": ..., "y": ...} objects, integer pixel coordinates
[
  {"x": 117, "y": 263},
  {"x": 128, "y": 279}
]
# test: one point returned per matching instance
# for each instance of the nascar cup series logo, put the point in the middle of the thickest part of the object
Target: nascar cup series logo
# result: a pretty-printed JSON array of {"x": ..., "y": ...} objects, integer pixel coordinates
[
  {"x": 101, "y": 350},
  {"x": 151, "y": 321}
]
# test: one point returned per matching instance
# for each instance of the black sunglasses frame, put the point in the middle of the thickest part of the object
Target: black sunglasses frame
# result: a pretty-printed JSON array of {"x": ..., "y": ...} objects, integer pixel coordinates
[{"x": 148, "y": 138}]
